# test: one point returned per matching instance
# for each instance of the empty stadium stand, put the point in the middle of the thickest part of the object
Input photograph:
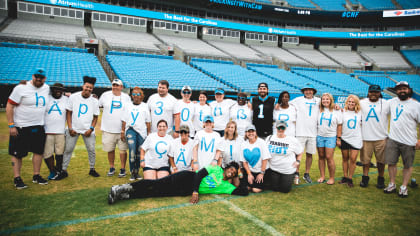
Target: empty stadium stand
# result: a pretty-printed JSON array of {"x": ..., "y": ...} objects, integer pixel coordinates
[
  {"x": 281, "y": 55},
  {"x": 377, "y": 4},
  {"x": 331, "y": 5},
  {"x": 237, "y": 50},
  {"x": 413, "y": 80},
  {"x": 344, "y": 55},
  {"x": 63, "y": 65},
  {"x": 145, "y": 71},
  {"x": 409, "y": 4},
  {"x": 311, "y": 55},
  {"x": 301, "y": 3},
  {"x": 413, "y": 56},
  {"x": 384, "y": 57}
]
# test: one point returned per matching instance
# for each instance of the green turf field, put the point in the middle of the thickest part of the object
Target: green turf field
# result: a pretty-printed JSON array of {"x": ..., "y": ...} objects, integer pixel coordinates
[{"x": 78, "y": 205}]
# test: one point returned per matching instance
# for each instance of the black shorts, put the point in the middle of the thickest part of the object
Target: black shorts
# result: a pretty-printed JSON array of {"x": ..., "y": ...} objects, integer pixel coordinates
[
  {"x": 164, "y": 168},
  {"x": 255, "y": 184},
  {"x": 346, "y": 146},
  {"x": 29, "y": 139}
]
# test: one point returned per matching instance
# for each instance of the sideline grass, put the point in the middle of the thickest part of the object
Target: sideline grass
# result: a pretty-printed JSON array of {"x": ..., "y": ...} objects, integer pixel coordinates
[{"x": 312, "y": 210}]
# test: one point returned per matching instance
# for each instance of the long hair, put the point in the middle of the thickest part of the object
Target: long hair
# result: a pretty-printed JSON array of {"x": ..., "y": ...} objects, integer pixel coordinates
[
  {"x": 331, "y": 107},
  {"x": 281, "y": 97},
  {"x": 235, "y": 133},
  {"x": 356, "y": 100}
]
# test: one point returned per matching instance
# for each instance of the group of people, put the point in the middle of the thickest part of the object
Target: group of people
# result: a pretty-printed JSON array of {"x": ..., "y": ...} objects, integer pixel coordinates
[{"x": 186, "y": 147}]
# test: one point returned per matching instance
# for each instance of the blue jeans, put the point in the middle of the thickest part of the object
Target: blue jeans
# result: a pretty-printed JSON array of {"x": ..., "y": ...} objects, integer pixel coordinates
[{"x": 134, "y": 140}]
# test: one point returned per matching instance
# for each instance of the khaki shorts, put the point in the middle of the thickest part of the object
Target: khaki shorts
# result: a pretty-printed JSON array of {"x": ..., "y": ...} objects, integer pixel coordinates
[
  {"x": 110, "y": 140},
  {"x": 370, "y": 147},
  {"x": 393, "y": 151},
  {"x": 309, "y": 143},
  {"x": 54, "y": 143}
]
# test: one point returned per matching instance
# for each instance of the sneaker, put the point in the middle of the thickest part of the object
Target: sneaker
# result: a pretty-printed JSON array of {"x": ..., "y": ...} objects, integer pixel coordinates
[
  {"x": 343, "y": 180},
  {"x": 297, "y": 181},
  {"x": 111, "y": 171},
  {"x": 365, "y": 181},
  {"x": 350, "y": 183},
  {"x": 307, "y": 178},
  {"x": 61, "y": 175},
  {"x": 391, "y": 188},
  {"x": 119, "y": 192},
  {"x": 122, "y": 173},
  {"x": 403, "y": 192},
  {"x": 52, "y": 175},
  {"x": 138, "y": 177},
  {"x": 133, "y": 176},
  {"x": 19, "y": 183},
  {"x": 93, "y": 173},
  {"x": 381, "y": 182},
  {"x": 37, "y": 179}
]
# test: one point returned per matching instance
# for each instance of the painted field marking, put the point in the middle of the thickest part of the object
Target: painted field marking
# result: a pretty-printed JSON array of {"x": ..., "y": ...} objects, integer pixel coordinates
[
  {"x": 250, "y": 217},
  {"x": 142, "y": 212}
]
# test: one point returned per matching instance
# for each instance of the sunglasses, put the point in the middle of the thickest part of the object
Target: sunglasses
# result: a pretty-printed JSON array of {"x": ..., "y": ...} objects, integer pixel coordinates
[
  {"x": 186, "y": 92},
  {"x": 39, "y": 76},
  {"x": 241, "y": 98},
  {"x": 136, "y": 94},
  {"x": 281, "y": 127},
  {"x": 183, "y": 132}
]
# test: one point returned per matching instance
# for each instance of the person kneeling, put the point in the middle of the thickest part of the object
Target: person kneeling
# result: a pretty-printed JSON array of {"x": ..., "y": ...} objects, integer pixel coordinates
[{"x": 209, "y": 180}]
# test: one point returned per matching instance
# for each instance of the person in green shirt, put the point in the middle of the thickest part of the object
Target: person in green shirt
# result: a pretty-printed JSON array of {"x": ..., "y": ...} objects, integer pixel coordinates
[{"x": 211, "y": 179}]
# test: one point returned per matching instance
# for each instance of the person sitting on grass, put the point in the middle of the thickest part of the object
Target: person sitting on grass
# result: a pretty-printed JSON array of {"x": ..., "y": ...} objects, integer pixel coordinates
[{"x": 209, "y": 180}]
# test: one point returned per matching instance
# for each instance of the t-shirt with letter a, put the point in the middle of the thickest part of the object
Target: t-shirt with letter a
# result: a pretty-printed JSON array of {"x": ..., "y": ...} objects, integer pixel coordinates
[
  {"x": 83, "y": 111},
  {"x": 55, "y": 115},
  {"x": 374, "y": 119}
]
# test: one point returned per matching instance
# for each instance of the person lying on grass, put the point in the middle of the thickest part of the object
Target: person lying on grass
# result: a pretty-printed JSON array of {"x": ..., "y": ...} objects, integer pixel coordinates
[{"x": 211, "y": 179}]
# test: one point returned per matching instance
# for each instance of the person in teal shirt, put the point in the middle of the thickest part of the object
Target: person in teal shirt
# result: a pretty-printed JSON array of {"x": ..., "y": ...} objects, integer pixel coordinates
[{"x": 211, "y": 179}]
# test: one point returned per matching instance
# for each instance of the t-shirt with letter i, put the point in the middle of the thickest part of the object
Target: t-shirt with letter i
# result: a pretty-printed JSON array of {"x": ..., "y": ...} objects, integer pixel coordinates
[
  {"x": 162, "y": 108},
  {"x": 83, "y": 111},
  {"x": 306, "y": 116},
  {"x": 30, "y": 102},
  {"x": 374, "y": 119},
  {"x": 405, "y": 115},
  {"x": 113, "y": 107},
  {"x": 55, "y": 115},
  {"x": 186, "y": 114}
]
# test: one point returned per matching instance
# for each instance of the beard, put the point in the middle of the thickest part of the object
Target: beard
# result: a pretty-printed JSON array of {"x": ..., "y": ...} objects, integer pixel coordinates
[{"x": 402, "y": 96}]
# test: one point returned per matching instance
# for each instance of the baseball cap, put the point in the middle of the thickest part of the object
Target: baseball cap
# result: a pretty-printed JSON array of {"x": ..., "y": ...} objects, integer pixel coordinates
[
  {"x": 219, "y": 90},
  {"x": 186, "y": 87},
  {"x": 57, "y": 86},
  {"x": 281, "y": 123},
  {"x": 40, "y": 71},
  {"x": 184, "y": 128},
  {"x": 208, "y": 118},
  {"x": 249, "y": 127},
  {"x": 117, "y": 82},
  {"x": 308, "y": 86},
  {"x": 402, "y": 83},
  {"x": 374, "y": 88}
]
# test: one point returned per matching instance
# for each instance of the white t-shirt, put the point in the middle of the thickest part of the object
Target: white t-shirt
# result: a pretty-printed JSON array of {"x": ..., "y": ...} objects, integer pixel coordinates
[
  {"x": 157, "y": 149},
  {"x": 328, "y": 122},
  {"x": 254, "y": 154},
  {"x": 283, "y": 153},
  {"x": 207, "y": 143},
  {"x": 55, "y": 115},
  {"x": 162, "y": 108},
  {"x": 186, "y": 114},
  {"x": 232, "y": 150},
  {"x": 288, "y": 115},
  {"x": 182, "y": 153},
  {"x": 83, "y": 111},
  {"x": 200, "y": 111},
  {"x": 112, "y": 112},
  {"x": 306, "y": 116},
  {"x": 220, "y": 112},
  {"x": 352, "y": 128},
  {"x": 242, "y": 115},
  {"x": 30, "y": 102},
  {"x": 374, "y": 119},
  {"x": 136, "y": 117},
  {"x": 405, "y": 115}
]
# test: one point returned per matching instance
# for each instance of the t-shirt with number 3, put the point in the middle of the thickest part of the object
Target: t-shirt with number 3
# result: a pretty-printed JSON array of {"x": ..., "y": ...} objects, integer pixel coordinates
[{"x": 161, "y": 108}]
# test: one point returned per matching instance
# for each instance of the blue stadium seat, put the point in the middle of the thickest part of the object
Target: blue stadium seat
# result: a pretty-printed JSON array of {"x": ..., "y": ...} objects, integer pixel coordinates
[{"x": 413, "y": 56}]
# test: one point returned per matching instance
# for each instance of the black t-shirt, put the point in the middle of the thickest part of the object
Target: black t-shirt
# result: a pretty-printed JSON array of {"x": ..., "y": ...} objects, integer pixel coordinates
[{"x": 263, "y": 121}]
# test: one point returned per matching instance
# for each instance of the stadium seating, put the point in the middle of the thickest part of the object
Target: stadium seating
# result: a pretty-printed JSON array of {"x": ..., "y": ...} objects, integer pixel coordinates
[
  {"x": 194, "y": 47},
  {"x": 413, "y": 80},
  {"x": 409, "y": 4},
  {"x": 282, "y": 55},
  {"x": 377, "y": 4},
  {"x": 331, "y": 5},
  {"x": 313, "y": 56},
  {"x": 344, "y": 55},
  {"x": 39, "y": 30},
  {"x": 239, "y": 77},
  {"x": 128, "y": 39},
  {"x": 413, "y": 56},
  {"x": 301, "y": 3},
  {"x": 384, "y": 58},
  {"x": 237, "y": 50},
  {"x": 146, "y": 71},
  {"x": 61, "y": 65},
  {"x": 382, "y": 81}
]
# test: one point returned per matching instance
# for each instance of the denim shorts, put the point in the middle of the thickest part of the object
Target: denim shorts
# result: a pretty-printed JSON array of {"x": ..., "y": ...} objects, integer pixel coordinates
[{"x": 328, "y": 142}]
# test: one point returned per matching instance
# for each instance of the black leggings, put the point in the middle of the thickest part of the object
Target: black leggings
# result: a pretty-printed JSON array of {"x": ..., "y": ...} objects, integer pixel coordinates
[{"x": 278, "y": 182}]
